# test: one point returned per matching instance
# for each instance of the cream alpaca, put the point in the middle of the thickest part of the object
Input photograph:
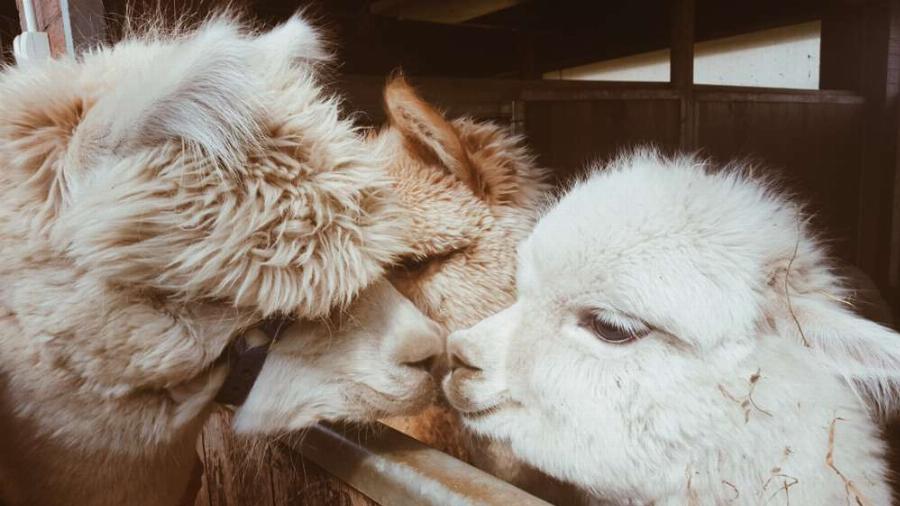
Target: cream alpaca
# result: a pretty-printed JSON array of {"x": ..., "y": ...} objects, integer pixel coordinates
[
  {"x": 473, "y": 191},
  {"x": 679, "y": 338},
  {"x": 156, "y": 198}
]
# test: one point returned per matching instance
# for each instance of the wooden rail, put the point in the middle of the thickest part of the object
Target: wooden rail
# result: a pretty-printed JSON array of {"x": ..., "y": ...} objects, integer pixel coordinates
[{"x": 392, "y": 468}]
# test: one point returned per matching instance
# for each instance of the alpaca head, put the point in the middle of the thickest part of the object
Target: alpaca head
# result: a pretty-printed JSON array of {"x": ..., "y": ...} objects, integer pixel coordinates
[
  {"x": 665, "y": 314},
  {"x": 370, "y": 361},
  {"x": 205, "y": 169},
  {"x": 200, "y": 164},
  {"x": 471, "y": 190}
]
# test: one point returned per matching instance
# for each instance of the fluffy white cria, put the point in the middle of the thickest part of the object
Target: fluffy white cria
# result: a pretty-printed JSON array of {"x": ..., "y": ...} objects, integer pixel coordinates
[{"x": 679, "y": 338}]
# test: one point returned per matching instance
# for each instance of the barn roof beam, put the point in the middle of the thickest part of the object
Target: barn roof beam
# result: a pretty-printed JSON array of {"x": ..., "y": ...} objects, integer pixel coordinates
[{"x": 439, "y": 11}]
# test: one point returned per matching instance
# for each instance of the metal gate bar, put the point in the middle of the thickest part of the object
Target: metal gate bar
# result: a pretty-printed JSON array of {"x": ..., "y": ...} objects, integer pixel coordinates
[{"x": 395, "y": 469}]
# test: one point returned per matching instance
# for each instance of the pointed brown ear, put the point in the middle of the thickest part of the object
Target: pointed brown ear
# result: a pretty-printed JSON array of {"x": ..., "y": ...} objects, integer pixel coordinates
[
  {"x": 508, "y": 171},
  {"x": 430, "y": 134}
]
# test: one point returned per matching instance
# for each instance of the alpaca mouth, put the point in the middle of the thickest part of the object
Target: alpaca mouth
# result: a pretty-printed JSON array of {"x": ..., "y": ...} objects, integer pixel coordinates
[{"x": 379, "y": 404}]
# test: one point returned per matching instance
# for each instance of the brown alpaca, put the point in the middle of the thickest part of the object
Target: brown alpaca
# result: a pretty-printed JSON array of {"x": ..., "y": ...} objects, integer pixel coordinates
[{"x": 463, "y": 271}]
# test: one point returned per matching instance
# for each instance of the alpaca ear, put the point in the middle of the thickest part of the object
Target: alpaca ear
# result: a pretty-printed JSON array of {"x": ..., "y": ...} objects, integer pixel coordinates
[
  {"x": 506, "y": 167},
  {"x": 197, "y": 92},
  {"x": 865, "y": 353},
  {"x": 294, "y": 41},
  {"x": 431, "y": 136}
]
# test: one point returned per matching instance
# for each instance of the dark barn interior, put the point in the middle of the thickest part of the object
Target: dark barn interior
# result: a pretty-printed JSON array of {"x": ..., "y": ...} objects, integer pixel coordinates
[{"x": 835, "y": 146}]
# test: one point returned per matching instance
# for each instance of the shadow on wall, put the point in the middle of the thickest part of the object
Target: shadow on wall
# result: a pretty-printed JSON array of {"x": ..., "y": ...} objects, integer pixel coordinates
[{"x": 9, "y": 28}]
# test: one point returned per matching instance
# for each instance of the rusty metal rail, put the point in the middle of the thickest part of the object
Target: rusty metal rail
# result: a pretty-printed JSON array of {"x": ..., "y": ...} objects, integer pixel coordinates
[{"x": 395, "y": 469}]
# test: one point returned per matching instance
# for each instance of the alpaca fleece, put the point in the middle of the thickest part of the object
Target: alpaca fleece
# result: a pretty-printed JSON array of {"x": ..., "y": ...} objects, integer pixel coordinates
[
  {"x": 679, "y": 338},
  {"x": 157, "y": 197},
  {"x": 472, "y": 192}
]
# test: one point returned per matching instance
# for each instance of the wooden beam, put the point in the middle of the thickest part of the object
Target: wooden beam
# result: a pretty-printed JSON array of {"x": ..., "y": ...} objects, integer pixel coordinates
[
  {"x": 440, "y": 11},
  {"x": 682, "y": 67},
  {"x": 393, "y": 468},
  {"x": 715, "y": 93},
  {"x": 841, "y": 47},
  {"x": 878, "y": 239}
]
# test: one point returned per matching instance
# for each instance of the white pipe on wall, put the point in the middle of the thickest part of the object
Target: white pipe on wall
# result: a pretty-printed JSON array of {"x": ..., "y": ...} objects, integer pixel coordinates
[
  {"x": 67, "y": 27},
  {"x": 31, "y": 45},
  {"x": 30, "y": 20}
]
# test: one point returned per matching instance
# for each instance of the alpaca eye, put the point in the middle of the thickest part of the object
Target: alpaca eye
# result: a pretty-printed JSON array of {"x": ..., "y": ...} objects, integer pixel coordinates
[
  {"x": 414, "y": 264},
  {"x": 611, "y": 332}
]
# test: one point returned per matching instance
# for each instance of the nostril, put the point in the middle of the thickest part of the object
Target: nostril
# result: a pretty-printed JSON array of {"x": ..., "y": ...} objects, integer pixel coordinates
[
  {"x": 458, "y": 361},
  {"x": 426, "y": 364}
]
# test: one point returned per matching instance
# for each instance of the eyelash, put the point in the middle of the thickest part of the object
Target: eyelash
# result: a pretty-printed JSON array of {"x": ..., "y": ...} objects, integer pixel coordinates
[
  {"x": 610, "y": 332},
  {"x": 412, "y": 264},
  {"x": 417, "y": 264}
]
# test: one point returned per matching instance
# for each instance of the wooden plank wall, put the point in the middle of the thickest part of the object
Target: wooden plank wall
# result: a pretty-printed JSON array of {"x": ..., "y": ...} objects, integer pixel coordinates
[
  {"x": 570, "y": 135},
  {"x": 813, "y": 148},
  {"x": 861, "y": 52},
  {"x": 810, "y": 140}
]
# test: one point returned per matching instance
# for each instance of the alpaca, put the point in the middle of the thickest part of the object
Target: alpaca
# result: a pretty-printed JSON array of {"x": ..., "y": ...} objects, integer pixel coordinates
[
  {"x": 443, "y": 170},
  {"x": 679, "y": 338},
  {"x": 157, "y": 198}
]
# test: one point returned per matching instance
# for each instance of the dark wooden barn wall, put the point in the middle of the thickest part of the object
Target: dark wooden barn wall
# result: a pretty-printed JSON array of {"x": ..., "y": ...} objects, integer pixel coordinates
[
  {"x": 570, "y": 135},
  {"x": 814, "y": 148},
  {"x": 861, "y": 52},
  {"x": 810, "y": 141}
]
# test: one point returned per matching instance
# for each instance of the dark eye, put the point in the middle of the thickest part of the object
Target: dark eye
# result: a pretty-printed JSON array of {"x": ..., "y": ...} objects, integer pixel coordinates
[
  {"x": 612, "y": 332},
  {"x": 412, "y": 264},
  {"x": 417, "y": 264}
]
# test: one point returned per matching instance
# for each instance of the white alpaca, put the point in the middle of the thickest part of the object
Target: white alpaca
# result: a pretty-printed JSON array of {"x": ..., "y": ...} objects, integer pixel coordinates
[
  {"x": 158, "y": 197},
  {"x": 678, "y": 338}
]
